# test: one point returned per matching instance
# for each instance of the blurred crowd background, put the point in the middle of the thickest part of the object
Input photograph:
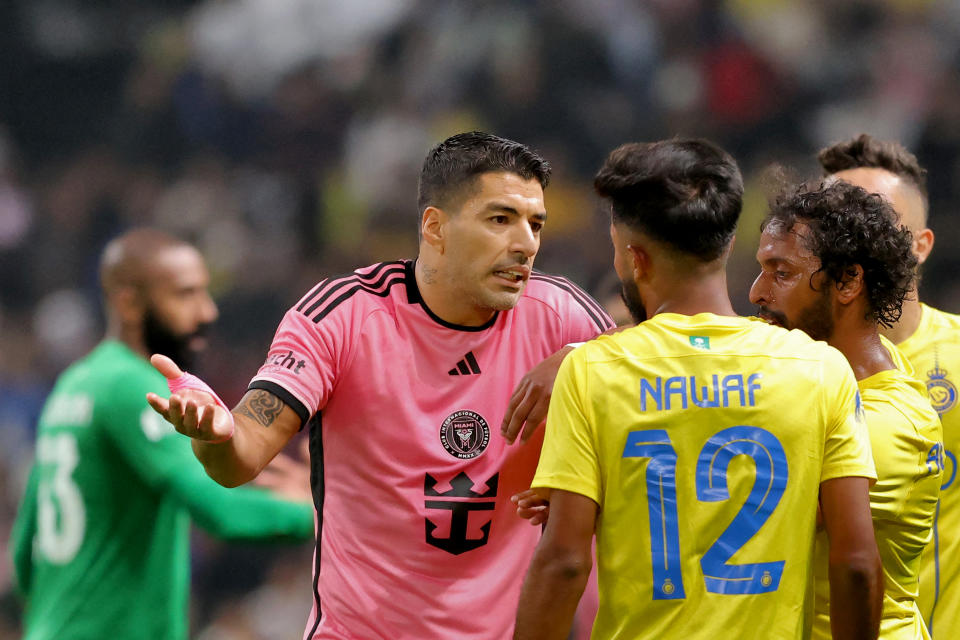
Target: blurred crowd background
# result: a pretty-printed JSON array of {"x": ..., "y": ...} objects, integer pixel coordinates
[{"x": 284, "y": 138}]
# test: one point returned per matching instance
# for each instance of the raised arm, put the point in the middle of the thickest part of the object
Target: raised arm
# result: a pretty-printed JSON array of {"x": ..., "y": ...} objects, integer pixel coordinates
[
  {"x": 856, "y": 575},
  {"x": 233, "y": 446}
]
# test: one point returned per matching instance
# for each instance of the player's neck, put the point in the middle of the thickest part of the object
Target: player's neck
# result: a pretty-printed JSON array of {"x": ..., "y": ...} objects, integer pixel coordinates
[
  {"x": 131, "y": 338},
  {"x": 909, "y": 320},
  {"x": 706, "y": 293},
  {"x": 446, "y": 303},
  {"x": 862, "y": 347}
]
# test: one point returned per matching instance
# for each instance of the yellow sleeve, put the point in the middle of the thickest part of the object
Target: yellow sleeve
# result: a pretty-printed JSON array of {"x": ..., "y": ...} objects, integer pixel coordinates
[
  {"x": 846, "y": 449},
  {"x": 569, "y": 459}
]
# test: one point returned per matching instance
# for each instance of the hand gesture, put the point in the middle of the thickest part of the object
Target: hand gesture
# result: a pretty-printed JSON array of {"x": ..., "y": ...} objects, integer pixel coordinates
[
  {"x": 531, "y": 506},
  {"x": 194, "y": 409},
  {"x": 531, "y": 398}
]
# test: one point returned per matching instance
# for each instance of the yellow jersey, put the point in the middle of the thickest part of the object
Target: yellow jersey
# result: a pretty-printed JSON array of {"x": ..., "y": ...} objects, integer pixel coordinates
[
  {"x": 906, "y": 439},
  {"x": 934, "y": 352},
  {"x": 704, "y": 440}
]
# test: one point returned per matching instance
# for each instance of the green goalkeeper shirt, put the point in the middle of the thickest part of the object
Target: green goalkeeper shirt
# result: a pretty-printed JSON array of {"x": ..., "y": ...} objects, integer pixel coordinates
[{"x": 101, "y": 539}]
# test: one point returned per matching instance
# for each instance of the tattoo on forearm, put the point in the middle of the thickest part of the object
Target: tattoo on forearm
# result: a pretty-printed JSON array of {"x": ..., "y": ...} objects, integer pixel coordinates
[{"x": 262, "y": 406}]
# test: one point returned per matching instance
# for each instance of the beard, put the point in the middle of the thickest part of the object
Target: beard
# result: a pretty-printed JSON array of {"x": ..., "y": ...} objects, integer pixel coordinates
[
  {"x": 630, "y": 295},
  {"x": 815, "y": 320},
  {"x": 176, "y": 346}
]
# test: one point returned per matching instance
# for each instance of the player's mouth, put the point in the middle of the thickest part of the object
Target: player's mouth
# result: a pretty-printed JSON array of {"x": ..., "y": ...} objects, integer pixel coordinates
[
  {"x": 513, "y": 275},
  {"x": 772, "y": 317}
]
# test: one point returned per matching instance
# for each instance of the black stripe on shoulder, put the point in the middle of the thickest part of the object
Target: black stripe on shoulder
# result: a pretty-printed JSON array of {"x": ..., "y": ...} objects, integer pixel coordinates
[
  {"x": 591, "y": 306},
  {"x": 351, "y": 281},
  {"x": 353, "y": 275},
  {"x": 285, "y": 396},
  {"x": 390, "y": 279},
  {"x": 313, "y": 292}
]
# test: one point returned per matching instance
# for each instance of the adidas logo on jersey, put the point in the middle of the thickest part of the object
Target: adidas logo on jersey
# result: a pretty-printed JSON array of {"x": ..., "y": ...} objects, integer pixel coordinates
[{"x": 467, "y": 366}]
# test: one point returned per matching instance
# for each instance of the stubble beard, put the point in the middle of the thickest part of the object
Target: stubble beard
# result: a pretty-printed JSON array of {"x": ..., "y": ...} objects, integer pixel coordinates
[{"x": 630, "y": 295}]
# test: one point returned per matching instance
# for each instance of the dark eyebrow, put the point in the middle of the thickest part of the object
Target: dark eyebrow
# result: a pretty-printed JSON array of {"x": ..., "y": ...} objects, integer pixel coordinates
[
  {"x": 779, "y": 260},
  {"x": 497, "y": 206}
]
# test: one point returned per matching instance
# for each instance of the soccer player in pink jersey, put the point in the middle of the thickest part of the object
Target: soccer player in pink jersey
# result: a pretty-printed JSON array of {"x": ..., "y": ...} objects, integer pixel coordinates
[{"x": 401, "y": 369}]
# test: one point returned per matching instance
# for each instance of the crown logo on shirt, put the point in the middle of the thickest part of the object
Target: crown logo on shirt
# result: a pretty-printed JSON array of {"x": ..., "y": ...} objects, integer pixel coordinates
[
  {"x": 460, "y": 487},
  {"x": 937, "y": 373},
  {"x": 942, "y": 392}
]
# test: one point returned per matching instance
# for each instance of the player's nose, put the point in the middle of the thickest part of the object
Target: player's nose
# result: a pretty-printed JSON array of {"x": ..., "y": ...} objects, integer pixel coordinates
[
  {"x": 759, "y": 293},
  {"x": 208, "y": 310},
  {"x": 525, "y": 241}
]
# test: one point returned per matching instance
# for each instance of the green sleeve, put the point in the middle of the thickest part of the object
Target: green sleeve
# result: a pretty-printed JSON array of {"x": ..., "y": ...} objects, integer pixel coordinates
[
  {"x": 21, "y": 538},
  {"x": 165, "y": 460}
]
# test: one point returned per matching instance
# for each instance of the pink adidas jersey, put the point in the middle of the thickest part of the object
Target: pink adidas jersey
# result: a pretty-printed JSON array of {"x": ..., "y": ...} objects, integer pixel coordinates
[{"x": 417, "y": 537}]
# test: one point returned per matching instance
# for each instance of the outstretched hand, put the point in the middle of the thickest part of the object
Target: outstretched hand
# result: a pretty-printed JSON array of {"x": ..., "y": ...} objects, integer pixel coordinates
[
  {"x": 193, "y": 410},
  {"x": 528, "y": 405}
]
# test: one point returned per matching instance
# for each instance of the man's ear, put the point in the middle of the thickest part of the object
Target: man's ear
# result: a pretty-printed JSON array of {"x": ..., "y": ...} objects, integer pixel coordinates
[
  {"x": 129, "y": 304},
  {"x": 923, "y": 244},
  {"x": 851, "y": 285},
  {"x": 641, "y": 261},
  {"x": 433, "y": 227}
]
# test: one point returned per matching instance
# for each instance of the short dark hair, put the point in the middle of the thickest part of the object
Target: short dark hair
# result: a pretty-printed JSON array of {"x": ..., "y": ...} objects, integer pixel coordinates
[
  {"x": 849, "y": 226},
  {"x": 458, "y": 160},
  {"x": 865, "y": 151},
  {"x": 685, "y": 192}
]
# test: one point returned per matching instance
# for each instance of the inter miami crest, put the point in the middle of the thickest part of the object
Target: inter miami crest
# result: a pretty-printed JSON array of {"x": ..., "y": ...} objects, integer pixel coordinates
[
  {"x": 943, "y": 394},
  {"x": 465, "y": 434}
]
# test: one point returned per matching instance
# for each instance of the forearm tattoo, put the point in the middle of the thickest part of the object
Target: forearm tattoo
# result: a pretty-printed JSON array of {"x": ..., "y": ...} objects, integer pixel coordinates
[{"x": 262, "y": 406}]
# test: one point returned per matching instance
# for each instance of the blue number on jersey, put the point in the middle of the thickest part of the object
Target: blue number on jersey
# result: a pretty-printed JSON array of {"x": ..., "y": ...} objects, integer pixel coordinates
[
  {"x": 662, "y": 507},
  {"x": 769, "y": 483},
  {"x": 768, "y": 486}
]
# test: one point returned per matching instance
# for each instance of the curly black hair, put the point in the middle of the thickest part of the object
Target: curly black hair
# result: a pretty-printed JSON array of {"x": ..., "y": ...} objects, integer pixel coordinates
[{"x": 848, "y": 227}]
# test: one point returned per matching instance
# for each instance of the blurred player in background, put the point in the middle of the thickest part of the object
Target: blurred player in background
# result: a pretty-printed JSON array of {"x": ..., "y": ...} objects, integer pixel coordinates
[
  {"x": 403, "y": 367},
  {"x": 649, "y": 429},
  {"x": 835, "y": 263},
  {"x": 930, "y": 340},
  {"x": 101, "y": 540}
]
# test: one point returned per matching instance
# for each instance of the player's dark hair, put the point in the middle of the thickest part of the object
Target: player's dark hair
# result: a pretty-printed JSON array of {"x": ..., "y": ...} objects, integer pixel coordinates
[
  {"x": 457, "y": 161},
  {"x": 865, "y": 151},
  {"x": 848, "y": 227},
  {"x": 684, "y": 192}
]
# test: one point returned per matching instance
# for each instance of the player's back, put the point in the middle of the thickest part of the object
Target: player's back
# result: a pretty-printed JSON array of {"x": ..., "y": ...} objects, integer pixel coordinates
[
  {"x": 101, "y": 532},
  {"x": 711, "y": 434}
]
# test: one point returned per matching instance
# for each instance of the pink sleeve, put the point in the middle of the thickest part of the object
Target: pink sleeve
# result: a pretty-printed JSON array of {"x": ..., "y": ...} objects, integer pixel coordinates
[
  {"x": 583, "y": 317},
  {"x": 304, "y": 361}
]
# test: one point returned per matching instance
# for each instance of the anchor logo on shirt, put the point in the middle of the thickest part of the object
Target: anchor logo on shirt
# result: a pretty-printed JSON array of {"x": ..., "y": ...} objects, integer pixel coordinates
[{"x": 461, "y": 487}]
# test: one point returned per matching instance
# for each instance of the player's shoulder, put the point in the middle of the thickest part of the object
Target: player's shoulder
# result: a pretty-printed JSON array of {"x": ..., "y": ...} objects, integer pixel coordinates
[
  {"x": 560, "y": 294},
  {"x": 940, "y": 319},
  {"x": 109, "y": 365},
  {"x": 900, "y": 390},
  {"x": 793, "y": 344},
  {"x": 369, "y": 287}
]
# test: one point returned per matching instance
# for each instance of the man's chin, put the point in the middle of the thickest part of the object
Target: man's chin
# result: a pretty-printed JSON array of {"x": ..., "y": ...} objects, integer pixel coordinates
[{"x": 504, "y": 300}]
